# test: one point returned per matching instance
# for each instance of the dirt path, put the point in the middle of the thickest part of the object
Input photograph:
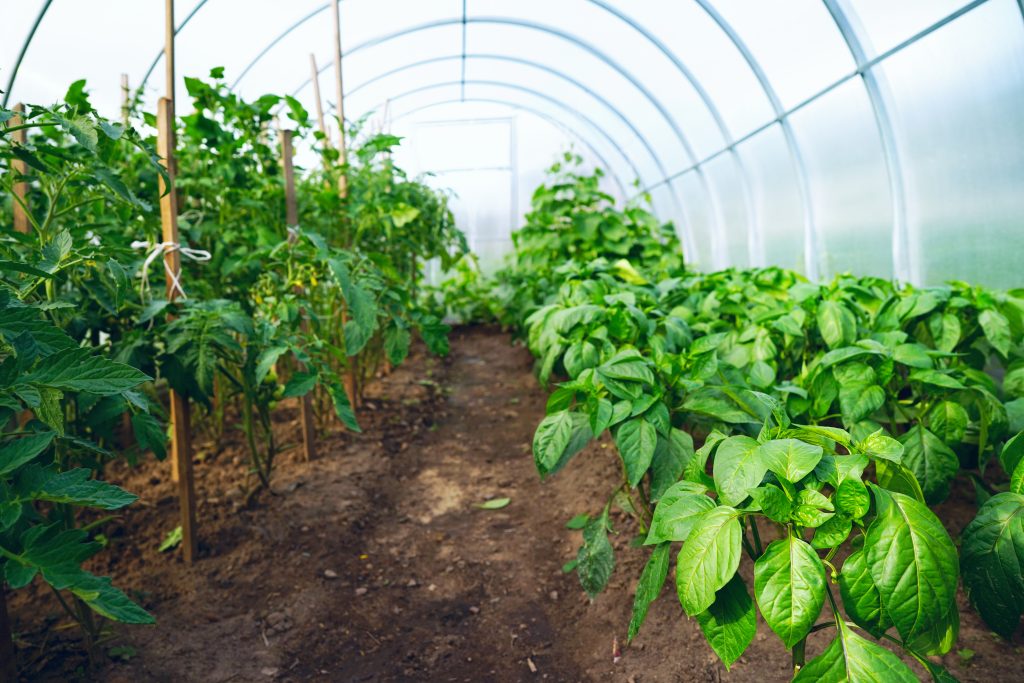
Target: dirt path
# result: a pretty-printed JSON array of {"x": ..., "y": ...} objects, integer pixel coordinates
[{"x": 373, "y": 563}]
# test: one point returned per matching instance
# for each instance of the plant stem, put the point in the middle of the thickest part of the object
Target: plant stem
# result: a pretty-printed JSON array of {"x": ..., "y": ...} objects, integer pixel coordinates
[
  {"x": 799, "y": 655},
  {"x": 757, "y": 537},
  {"x": 749, "y": 548},
  {"x": 67, "y": 608}
]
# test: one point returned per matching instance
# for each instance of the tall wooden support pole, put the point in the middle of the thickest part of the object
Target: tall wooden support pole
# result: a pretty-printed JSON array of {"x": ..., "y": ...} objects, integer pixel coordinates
[
  {"x": 8, "y": 670},
  {"x": 21, "y": 222},
  {"x": 350, "y": 376},
  {"x": 181, "y": 451},
  {"x": 340, "y": 95},
  {"x": 126, "y": 99},
  {"x": 169, "y": 47},
  {"x": 315, "y": 77},
  {"x": 291, "y": 210},
  {"x": 169, "y": 32}
]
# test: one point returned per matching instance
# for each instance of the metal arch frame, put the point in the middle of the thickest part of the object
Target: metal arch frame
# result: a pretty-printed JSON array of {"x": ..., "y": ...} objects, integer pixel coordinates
[
  {"x": 529, "y": 91},
  {"x": 463, "y": 21},
  {"x": 587, "y": 47},
  {"x": 754, "y": 236},
  {"x": 558, "y": 74},
  {"x": 874, "y": 61},
  {"x": 687, "y": 74},
  {"x": 24, "y": 49},
  {"x": 803, "y": 184},
  {"x": 270, "y": 46},
  {"x": 537, "y": 65},
  {"x": 905, "y": 266},
  {"x": 565, "y": 128},
  {"x": 160, "y": 55},
  {"x": 780, "y": 116}
]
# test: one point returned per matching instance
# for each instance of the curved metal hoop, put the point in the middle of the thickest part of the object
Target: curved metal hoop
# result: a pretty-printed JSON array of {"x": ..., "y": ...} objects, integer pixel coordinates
[
  {"x": 534, "y": 93},
  {"x": 565, "y": 128},
  {"x": 537, "y": 65}
]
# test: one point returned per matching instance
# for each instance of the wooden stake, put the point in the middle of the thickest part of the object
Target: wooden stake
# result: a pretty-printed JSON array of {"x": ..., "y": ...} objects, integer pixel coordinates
[
  {"x": 291, "y": 210},
  {"x": 8, "y": 670},
  {"x": 181, "y": 452},
  {"x": 126, "y": 99},
  {"x": 169, "y": 47},
  {"x": 21, "y": 222},
  {"x": 169, "y": 75},
  {"x": 340, "y": 95},
  {"x": 315, "y": 77}
]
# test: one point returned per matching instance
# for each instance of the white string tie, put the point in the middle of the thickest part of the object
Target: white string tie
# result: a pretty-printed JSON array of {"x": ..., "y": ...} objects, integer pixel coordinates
[{"x": 162, "y": 248}]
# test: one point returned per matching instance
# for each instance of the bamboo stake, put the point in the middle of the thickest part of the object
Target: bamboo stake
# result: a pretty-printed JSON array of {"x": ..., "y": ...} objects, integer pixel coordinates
[
  {"x": 340, "y": 95},
  {"x": 181, "y": 452},
  {"x": 8, "y": 670},
  {"x": 350, "y": 381},
  {"x": 21, "y": 222},
  {"x": 169, "y": 47},
  {"x": 315, "y": 76},
  {"x": 291, "y": 208},
  {"x": 169, "y": 75},
  {"x": 126, "y": 99}
]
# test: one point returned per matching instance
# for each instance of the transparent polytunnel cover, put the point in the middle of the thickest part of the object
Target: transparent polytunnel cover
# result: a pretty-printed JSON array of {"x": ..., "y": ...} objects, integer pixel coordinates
[{"x": 874, "y": 137}]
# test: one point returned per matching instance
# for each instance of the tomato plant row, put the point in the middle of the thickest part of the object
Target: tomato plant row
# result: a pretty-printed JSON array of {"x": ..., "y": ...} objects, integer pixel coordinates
[
  {"x": 88, "y": 349},
  {"x": 829, "y": 417}
]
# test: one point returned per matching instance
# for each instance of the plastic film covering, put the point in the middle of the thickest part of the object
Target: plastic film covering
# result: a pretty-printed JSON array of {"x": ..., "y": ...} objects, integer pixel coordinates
[{"x": 823, "y": 135}]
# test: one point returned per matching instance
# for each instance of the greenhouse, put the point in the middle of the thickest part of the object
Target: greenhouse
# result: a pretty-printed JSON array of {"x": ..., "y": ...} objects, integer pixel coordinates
[{"x": 480, "y": 340}]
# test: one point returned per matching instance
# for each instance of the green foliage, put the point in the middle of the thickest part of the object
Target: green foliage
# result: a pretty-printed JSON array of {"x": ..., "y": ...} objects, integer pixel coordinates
[
  {"x": 832, "y": 412},
  {"x": 40, "y": 494},
  {"x": 88, "y": 347}
]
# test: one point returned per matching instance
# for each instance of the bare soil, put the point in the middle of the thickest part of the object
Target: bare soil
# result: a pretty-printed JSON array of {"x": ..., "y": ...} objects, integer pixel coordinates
[{"x": 373, "y": 563}]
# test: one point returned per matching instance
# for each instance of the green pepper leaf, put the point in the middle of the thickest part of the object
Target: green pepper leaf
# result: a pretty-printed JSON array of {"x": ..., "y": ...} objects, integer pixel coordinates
[
  {"x": 914, "y": 565},
  {"x": 737, "y": 468},
  {"x": 789, "y": 583},
  {"x": 652, "y": 580},
  {"x": 854, "y": 659},
  {"x": 991, "y": 557},
  {"x": 709, "y": 558},
  {"x": 730, "y": 624}
]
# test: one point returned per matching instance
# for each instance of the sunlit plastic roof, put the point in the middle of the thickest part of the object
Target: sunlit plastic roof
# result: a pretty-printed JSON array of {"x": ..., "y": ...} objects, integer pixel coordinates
[{"x": 873, "y": 136}]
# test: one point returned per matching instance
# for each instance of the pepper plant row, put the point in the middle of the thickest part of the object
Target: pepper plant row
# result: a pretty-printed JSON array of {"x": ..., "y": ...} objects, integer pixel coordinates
[
  {"x": 829, "y": 417},
  {"x": 88, "y": 348}
]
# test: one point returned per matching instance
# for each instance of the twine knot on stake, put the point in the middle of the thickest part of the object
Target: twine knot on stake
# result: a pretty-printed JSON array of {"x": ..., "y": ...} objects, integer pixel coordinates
[{"x": 161, "y": 248}]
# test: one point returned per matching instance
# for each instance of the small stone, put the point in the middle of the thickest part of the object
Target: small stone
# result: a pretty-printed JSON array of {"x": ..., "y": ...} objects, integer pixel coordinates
[
  {"x": 553, "y": 595},
  {"x": 269, "y": 671},
  {"x": 361, "y": 590},
  {"x": 330, "y": 574},
  {"x": 474, "y": 609},
  {"x": 412, "y": 583},
  {"x": 431, "y": 587},
  {"x": 276, "y": 618}
]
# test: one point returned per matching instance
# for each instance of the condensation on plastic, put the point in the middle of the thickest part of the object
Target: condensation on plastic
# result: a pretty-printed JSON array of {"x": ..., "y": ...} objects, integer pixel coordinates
[
  {"x": 954, "y": 99},
  {"x": 849, "y": 185},
  {"x": 796, "y": 42},
  {"x": 698, "y": 42},
  {"x": 889, "y": 23},
  {"x": 701, "y": 220},
  {"x": 775, "y": 197},
  {"x": 725, "y": 183},
  {"x": 959, "y": 102}
]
